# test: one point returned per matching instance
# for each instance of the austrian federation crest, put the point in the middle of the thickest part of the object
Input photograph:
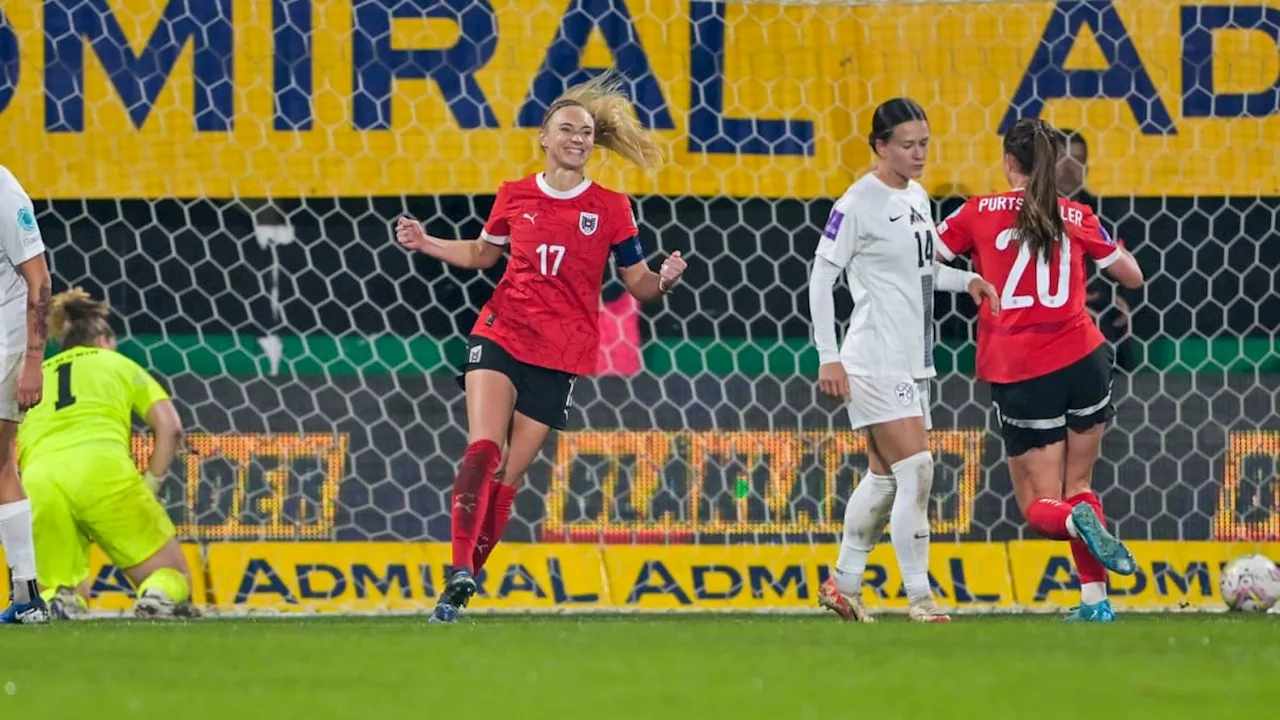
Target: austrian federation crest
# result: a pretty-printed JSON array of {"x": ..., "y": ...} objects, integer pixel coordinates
[{"x": 588, "y": 223}]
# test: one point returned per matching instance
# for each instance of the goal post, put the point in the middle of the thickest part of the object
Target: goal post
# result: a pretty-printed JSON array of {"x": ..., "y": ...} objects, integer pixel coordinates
[{"x": 226, "y": 174}]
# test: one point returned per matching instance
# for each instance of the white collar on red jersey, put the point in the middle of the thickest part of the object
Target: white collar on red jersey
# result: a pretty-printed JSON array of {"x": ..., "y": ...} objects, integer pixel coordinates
[{"x": 561, "y": 194}]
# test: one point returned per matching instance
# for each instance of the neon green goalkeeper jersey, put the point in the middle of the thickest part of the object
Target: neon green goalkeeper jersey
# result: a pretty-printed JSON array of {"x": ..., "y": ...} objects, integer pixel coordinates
[{"x": 90, "y": 394}]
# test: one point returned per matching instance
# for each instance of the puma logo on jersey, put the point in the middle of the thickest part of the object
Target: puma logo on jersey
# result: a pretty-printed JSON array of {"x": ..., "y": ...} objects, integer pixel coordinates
[{"x": 533, "y": 219}]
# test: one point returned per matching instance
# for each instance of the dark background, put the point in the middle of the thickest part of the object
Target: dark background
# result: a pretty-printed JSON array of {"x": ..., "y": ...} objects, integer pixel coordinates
[
  {"x": 1159, "y": 476},
  {"x": 182, "y": 267},
  {"x": 1213, "y": 265}
]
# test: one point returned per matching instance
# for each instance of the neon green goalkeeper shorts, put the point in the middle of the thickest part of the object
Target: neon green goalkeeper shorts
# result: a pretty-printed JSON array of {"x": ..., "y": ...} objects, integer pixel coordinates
[{"x": 82, "y": 499}]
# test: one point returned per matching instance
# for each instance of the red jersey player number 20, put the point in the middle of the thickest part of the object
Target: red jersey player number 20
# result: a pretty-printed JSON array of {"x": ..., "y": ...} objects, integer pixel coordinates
[
  {"x": 1043, "y": 325},
  {"x": 545, "y": 309}
]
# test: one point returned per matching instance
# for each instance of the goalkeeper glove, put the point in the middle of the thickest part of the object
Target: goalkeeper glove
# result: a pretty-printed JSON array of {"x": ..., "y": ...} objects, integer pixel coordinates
[{"x": 152, "y": 481}]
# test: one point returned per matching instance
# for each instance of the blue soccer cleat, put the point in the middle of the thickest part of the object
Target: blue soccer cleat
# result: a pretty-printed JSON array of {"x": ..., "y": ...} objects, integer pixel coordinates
[
  {"x": 457, "y": 592},
  {"x": 35, "y": 612},
  {"x": 443, "y": 613},
  {"x": 1103, "y": 545},
  {"x": 1101, "y": 612}
]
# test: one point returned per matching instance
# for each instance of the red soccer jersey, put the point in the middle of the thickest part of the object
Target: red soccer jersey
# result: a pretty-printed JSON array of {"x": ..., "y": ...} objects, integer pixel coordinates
[
  {"x": 545, "y": 309},
  {"x": 1043, "y": 325}
]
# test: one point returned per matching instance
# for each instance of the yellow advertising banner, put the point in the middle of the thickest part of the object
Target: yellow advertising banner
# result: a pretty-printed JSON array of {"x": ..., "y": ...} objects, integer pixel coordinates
[
  {"x": 239, "y": 98},
  {"x": 385, "y": 576},
  {"x": 1170, "y": 574},
  {"x": 110, "y": 589},
  {"x": 745, "y": 577},
  {"x": 371, "y": 577}
]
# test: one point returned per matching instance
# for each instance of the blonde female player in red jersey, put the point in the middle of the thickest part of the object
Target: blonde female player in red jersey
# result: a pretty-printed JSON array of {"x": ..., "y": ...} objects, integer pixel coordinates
[
  {"x": 881, "y": 235},
  {"x": 539, "y": 331},
  {"x": 1048, "y": 364}
]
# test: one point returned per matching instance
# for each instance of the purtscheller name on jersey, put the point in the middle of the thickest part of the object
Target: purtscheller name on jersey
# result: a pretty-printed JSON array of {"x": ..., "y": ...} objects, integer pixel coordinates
[
  {"x": 883, "y": 237},
  {"x": 1013, "y": 203}
]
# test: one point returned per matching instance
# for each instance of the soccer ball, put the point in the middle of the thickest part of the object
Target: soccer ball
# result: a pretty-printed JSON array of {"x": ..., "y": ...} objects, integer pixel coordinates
[{"x": 1250, "y": 583}]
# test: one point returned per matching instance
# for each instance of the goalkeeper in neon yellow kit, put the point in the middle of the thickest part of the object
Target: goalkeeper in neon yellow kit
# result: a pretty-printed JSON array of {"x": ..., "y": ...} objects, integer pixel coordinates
[{"x": 78, "y": 470}]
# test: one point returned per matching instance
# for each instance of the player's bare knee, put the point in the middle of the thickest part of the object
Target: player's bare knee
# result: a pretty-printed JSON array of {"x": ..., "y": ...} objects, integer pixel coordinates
[
  {"x": 8, "y": 444},
  {"x": 875, "y": 463},
  {"x": 897, "y": 440},
  {"x": 1082, "y": 457},
  {"x": 10, "y": 483}
]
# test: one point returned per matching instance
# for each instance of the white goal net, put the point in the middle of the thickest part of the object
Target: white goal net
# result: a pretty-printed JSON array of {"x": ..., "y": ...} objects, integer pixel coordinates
[{"x": 226, "y": 172}]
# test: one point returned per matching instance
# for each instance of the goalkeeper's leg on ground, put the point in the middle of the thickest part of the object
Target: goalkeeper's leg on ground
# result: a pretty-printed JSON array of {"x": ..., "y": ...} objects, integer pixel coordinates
[
  {"x": 62, "y": 548},
  {"x": 113, "y": 507}
]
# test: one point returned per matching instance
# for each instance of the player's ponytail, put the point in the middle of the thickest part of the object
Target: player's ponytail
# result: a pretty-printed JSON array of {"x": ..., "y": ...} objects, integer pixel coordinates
[
  {"x": 76, "y": 319},
  {"x": 617, "y": 128},
  {"x": 1036, "y": 146}
]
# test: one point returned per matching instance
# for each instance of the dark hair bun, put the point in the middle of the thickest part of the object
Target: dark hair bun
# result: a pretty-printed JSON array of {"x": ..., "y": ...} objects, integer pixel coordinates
[{"x": 890, "y": 115}]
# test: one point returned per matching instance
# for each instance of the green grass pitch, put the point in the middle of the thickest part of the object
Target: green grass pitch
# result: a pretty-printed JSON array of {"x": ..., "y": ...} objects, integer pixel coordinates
[{"x": 667, "y": 667}]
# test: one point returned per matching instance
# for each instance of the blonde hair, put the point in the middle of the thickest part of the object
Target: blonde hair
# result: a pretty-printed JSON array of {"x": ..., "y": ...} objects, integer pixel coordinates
[
  {"x": 75, "y": 318},
  {"x": 617, "y": 128}
]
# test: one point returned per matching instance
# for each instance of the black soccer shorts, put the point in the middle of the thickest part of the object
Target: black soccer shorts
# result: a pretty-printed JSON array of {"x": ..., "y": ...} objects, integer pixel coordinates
[
  {"x": 1037, "y": 412},
  {"x": 542, "y": 394}
]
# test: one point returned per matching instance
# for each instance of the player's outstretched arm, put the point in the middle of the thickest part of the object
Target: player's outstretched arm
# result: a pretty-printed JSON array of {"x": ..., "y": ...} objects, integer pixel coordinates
[
  {"x": 646, "y": 285},
  {"x": 1112, "y": 257},
  {"x": 167, "y": 428},
  {"x": 469, "y": 254},
  {"x": 949, "y": 279},
  {"x": 1125, "y": 270},
  {"x": 35, "y": 271}
]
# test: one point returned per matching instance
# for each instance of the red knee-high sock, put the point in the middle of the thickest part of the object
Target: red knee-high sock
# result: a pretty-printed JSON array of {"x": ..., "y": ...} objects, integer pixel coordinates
[
  {"x": 495, "y": 522},
  {"x": 1049, "y": 518},
  {"x": 471, "y": 498},
  {"x": 1088, "y": 567}
]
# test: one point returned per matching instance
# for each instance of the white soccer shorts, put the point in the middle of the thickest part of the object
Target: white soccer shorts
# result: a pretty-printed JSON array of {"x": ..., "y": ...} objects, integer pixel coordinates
[
  {"x": 874, "y": 400},
  {"x": 11, "y": 368}
]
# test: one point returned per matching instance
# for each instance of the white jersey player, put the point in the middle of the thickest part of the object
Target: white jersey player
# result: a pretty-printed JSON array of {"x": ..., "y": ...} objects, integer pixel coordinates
[
  {"x": 24, "y": 320},
  {"x": 881, "y": 236}
]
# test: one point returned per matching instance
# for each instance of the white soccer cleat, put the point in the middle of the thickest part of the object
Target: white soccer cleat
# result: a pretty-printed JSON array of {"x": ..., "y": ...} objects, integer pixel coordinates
[
  {"x": 926, "y": 611},
  {"x": 153, "y": 605},
  {"x": 848, "y": 607},
  {"x": 67, "y": 604}
]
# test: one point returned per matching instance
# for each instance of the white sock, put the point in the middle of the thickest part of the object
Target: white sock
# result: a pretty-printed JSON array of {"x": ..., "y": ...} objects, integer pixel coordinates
[
  {"x": 909, "y": 522},
  {"x": 864, "y": 520},
  {"x": 19, "y": 550},
  {"x": 1092, "y": 593}
]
